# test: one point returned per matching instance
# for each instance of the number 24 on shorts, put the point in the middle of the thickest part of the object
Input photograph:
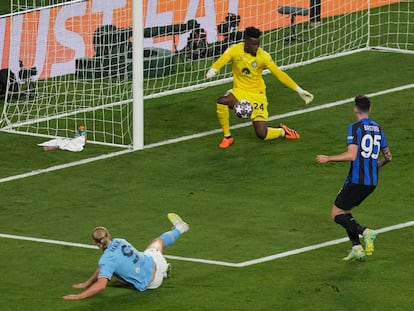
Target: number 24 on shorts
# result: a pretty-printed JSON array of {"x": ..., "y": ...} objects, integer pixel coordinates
[{"x": 257, "y": 106}]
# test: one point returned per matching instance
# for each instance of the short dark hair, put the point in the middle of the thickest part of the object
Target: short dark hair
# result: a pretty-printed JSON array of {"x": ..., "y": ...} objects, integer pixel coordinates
[
  {"x": 362, "y": 103},
  {"x": 252, "y": 32}
]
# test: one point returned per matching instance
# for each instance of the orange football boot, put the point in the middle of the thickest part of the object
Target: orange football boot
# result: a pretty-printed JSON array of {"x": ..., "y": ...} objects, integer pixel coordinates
[
  {"x": 226, "y": 142},
  {"x": 289, "y": 133}
]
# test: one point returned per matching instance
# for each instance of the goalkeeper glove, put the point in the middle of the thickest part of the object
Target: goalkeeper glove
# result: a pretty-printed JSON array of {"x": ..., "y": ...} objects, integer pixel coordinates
[
  {"x": 305, "y": 95},
  {"x": 211, "y": 73}
]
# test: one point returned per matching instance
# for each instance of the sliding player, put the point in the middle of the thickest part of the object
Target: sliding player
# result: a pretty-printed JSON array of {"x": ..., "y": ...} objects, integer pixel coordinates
[{"x": 142, "y": 270}]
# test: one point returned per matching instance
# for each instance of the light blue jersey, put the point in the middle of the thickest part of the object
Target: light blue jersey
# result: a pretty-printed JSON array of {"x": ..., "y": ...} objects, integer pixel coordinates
[{"x": 121, "y": 259}]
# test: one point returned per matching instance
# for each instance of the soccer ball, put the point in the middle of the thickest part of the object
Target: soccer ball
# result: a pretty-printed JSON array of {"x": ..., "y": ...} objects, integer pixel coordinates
[{"x": 243, "y": 109}]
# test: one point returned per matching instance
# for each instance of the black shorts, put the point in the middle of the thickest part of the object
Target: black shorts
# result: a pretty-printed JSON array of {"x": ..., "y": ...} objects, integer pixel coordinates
[{"x": 352, "y": 195}]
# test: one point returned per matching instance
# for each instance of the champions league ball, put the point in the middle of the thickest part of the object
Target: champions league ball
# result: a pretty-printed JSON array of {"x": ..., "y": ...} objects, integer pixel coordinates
[{"x": 243, "y": 109}]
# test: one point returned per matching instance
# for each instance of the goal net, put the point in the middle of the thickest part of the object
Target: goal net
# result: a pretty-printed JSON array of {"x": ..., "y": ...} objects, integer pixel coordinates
[{"x": 70, "y": 63}]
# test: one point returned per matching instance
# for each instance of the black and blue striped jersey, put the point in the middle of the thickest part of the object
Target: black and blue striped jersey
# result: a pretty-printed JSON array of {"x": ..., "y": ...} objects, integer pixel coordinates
[{"x": 370, "y": 139}]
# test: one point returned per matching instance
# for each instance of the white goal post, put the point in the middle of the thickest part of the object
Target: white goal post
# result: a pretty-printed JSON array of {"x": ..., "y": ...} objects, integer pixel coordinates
[{"x": 94, "y": 62}]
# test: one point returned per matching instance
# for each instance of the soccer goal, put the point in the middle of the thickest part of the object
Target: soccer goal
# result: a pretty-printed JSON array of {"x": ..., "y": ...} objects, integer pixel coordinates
[{"x": 94, "y": 62}]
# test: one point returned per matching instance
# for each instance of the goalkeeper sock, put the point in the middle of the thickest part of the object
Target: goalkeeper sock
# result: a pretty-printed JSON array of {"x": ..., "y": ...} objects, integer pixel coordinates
[
  {"x": 170, "y": 237},
  {"x": 273, "y": 133},
  {"x": 223, "y": 116}
]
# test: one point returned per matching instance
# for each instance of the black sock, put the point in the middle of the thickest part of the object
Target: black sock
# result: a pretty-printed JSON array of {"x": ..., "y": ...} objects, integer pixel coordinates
[
  {"x": 349, "y": 223},
  {"x": 353, "y": 237}
]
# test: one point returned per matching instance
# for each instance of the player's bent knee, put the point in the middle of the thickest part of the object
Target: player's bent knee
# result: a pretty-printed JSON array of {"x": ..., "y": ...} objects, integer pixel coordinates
[
  {"x": 221, "y": 100},
  {"x": 261, "y": 133},
  {"x": 227, "y": 99},
  {"x": 157, "y": 244},
  {"x": 336, "y": 211}
]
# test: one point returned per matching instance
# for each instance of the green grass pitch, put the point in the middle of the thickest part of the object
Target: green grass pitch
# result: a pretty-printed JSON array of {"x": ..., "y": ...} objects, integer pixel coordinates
[{"x": 253, "y": 200}]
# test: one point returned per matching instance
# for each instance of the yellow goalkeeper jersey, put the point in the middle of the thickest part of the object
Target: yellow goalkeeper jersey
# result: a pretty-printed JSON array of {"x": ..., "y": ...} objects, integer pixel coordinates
[{"x": 248, "y": 69}]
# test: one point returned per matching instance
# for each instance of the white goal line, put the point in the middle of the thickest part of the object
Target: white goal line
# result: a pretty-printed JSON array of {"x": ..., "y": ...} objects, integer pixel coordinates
[
  {"x": 198, "y": 135},
  {"x": 215, "y": 262}
]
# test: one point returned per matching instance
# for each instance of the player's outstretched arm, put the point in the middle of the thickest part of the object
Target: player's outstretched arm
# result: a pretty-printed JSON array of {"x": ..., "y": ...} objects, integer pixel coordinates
[
  {"x": 219, "y": 63},
  {"x": 349, "y": 155},
  {"x": 89, "y": 281},
  {"x": 94, "y": 289},
  {"x": 285, "y": 79}
]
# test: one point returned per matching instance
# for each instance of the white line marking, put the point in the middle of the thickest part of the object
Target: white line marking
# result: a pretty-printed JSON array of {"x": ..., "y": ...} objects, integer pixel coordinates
[
  {"x": 24, "y": 238},
  {"x": 222, "y": 263},
  {"x": 198, "y": 135},
  {"x": 62, "y": 166},
  {"x": 206, "y": 261},
  {"x": 316, "y": 246}
]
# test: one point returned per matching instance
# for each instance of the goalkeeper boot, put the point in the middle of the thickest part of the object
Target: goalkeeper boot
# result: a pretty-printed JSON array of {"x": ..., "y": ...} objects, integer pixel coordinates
[
  {"x": 289, "y": 133},
  {"x": 226, "y": 142},
  {"x": 178, "y": 223},
  {"x": 357, "y": 253},
  {"x": 369, "y": 238}
]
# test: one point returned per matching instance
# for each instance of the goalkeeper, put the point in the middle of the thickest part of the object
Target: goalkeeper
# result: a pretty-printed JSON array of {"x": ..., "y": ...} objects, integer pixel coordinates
[{"x": 248, "y": 62}]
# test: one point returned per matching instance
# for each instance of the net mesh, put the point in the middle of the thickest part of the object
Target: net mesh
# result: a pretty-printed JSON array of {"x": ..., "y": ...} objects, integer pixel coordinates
[{"x": 71, "y": 61}]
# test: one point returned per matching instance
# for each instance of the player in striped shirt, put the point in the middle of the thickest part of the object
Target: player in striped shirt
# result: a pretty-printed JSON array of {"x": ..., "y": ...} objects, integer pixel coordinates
[{"x": 365, "y": 142}]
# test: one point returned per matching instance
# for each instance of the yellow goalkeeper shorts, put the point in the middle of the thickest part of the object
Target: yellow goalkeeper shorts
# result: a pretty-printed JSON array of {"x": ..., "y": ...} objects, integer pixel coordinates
[{"x": 258, "y": 101}]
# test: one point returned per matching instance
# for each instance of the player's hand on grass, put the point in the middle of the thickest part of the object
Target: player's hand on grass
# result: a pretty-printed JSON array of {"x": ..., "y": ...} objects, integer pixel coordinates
[
  {"x": 71, "y": 297},
  {"x": 80, "y": 285},
  {"x": 75, "y": 297}
]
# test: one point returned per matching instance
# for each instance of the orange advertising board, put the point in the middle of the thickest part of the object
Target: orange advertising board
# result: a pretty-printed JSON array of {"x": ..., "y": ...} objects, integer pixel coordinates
[{"x": 52, "y": 38}]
